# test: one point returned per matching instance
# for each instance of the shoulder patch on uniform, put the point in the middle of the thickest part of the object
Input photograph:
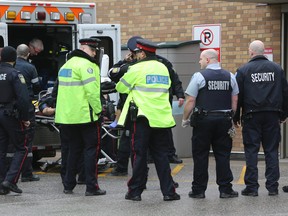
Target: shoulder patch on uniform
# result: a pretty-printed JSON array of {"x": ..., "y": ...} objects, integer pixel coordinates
[
  {"x": 90, "y": 70},
  {"x": 22, "y": 79},
  {"x": 115, "y": 70}
]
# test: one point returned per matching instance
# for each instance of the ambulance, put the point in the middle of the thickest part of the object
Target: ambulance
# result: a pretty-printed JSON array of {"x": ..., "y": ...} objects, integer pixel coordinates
[{"x": 59, "y": 25}]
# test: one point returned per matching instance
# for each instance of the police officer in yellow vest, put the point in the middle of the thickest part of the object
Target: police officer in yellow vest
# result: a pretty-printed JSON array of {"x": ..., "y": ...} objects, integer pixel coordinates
[
  {"x": 78, "y": 108},
  {"x": 147, "y": 105}
]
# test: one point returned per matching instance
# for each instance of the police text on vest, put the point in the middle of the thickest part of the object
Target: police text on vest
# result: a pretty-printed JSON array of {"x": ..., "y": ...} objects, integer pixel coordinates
[{"x": 3, "y": 76}]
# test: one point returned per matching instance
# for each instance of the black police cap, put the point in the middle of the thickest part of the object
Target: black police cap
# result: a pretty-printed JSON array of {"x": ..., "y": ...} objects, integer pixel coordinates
[
  {"x": 92, "y": 42},
  {"x": 146, "y": 45},
  {"x": 8, "y": 54},
  {"x": 131, "y": 43}
]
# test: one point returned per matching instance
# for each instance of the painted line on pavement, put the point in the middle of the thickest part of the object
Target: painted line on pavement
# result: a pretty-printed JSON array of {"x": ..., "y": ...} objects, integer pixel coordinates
[
  {"x": 241, "y": 177},
  {"x": 177, "y": 169},
  {"x": 105, "y": 173}
]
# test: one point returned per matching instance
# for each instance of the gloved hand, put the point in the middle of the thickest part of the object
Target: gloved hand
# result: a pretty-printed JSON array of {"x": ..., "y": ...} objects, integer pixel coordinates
[
  {"x": 185, "y": 123},
  {"x": 113, "y": 124}
]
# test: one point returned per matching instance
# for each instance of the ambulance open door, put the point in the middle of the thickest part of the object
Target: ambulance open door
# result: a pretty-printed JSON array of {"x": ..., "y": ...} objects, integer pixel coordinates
[
  {"x": 3, "y": 35},
  {"x": 109, "y": 34}
]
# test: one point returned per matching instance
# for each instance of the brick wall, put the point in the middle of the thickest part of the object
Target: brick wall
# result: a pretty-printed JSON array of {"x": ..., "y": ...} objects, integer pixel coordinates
[{"x": 172, "y": 20}]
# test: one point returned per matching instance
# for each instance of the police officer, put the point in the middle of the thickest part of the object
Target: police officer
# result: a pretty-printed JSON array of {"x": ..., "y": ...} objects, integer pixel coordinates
[
  {"x": 14, "y": 119},
  {"x": 147, "y": 84},
  {"x": 263, "y": 99},
  {"x": 30, "y": 74},
  {"x": 211, "y": 97},
  {"x": 115, "y": 74},
  {"x": 78, "y": 108}
]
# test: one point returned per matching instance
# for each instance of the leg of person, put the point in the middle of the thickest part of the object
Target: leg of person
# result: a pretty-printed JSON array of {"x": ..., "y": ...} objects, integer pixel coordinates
[
  {"x": 222, "y": 146},
  {"x": 159, "y": 149},
  {"x": 64, "y": 152},
  {"x": 173, "y": 158},
  {"x": 81, "y": 170},
  {"x": 17, "y": 137},
  {"x": 123, "y": 155},
  {"x": 73, "y": 135},
  {"x": 3, "y": 165},
  {"x": 91, "y": 136},
  {"x": 201, "y": 140},
  {"x": 270, "y": 142},
  {"x": 139, "y": 144},
  {"x": 251, "y": 138},
  {"x": 27, "y": 169}
]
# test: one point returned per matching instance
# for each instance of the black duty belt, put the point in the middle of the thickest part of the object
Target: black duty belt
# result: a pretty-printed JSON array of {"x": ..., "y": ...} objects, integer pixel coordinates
[{"x": 218, "y": 113}]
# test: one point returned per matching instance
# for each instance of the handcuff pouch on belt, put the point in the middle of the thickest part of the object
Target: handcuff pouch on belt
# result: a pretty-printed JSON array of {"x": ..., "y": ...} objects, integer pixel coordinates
[
  {"x": 196, "y": 113},
  {"x": 133, "y": 110}
]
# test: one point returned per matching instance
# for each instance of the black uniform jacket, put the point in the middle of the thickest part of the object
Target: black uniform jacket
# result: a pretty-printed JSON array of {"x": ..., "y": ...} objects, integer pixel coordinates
[
  {"x": 13, "y": 90},
  {"x": 262, "y": 87}
]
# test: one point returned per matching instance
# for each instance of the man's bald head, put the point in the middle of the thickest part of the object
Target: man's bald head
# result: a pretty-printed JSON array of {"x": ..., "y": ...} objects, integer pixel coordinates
[
  {"x": 22, "y": 51},
  {"x": 256, "y": 48}
]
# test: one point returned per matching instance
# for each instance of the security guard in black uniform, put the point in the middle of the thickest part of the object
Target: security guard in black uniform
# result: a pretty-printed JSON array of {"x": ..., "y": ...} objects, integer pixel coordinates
[
  {"x": 213, "y": 94},
  {"x": 263, "y": 99},
  {"x": 14, "y": 107}
]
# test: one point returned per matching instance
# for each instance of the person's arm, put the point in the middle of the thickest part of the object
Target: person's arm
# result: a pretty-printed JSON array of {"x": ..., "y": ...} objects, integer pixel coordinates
[{"x": 190, "y": 104}]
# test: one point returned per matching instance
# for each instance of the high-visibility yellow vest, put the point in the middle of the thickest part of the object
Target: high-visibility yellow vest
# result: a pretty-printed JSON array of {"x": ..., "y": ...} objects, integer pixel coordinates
[
  {"x": 147, "y": 84},
  {"x": 78, "y": 98}
]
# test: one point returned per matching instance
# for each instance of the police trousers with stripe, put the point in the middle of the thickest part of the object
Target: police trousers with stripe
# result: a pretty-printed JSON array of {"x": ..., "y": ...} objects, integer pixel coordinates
[
  {"x": 12, "y": 131},
  {"x": 82, "y": 139},
  {"x": 156, "y": 140}
]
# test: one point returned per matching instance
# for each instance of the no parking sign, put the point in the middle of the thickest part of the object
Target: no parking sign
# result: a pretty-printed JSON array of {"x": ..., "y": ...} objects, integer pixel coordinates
[{"x": 210, "y": 36}]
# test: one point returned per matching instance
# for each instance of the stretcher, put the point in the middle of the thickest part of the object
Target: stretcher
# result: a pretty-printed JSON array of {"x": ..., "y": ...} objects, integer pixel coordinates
[{"x": 49, "y": 122}]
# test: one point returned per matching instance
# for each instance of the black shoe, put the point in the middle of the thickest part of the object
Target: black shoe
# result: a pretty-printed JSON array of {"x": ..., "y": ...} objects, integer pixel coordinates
[
  {"x": 285, "y": 189},
  {"x": 95, "y": 193},
  {"x": 133, "y": 198},
  {"x": 231, "y": 194},
  {"x": 116, "y": 172},
  {"x": 247, "y": 192},
  {"x": 273, "y": 193},
  {"x": 200, "y": 195},
  {"x": 176, "y": 184},
  {"x": 11, "y": 187},
  {"x": 4, "y": 191},
  {"x": 174, "y": 159},
  {"x": 68, "y": 191},
  {"x": 31, "y": 178},
  {"x": 175, "y": 196}
]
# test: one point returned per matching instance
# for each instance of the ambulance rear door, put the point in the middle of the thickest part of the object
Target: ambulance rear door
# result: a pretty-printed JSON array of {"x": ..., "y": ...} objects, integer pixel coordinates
[
  {"x": 109, "y": 34},
  {"x": 3, "y": 35}
]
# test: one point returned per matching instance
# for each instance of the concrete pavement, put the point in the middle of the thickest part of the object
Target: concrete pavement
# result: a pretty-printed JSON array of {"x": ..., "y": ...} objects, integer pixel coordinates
[{"x": 46, "y": 197}]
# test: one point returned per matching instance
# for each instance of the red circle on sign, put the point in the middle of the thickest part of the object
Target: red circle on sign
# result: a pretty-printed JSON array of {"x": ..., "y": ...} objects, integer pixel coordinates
[{"x": 206, "y": 37}]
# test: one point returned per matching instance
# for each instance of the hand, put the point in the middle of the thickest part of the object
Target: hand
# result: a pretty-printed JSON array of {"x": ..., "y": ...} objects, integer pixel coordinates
[
  {"x": 185, "y": 123},
  {"x": 113, "y": 124},
  {"x": 129, "y": 57},
  {"x": 180, "y": 102},
  {"x": 236, "y": 124},
  {"x": 48, "y": 111},
  {"x": 26, "y": 123}
]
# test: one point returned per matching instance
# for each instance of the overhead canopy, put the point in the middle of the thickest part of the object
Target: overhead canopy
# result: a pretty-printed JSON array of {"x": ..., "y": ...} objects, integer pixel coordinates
[{"x": 261, "y": 1}]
